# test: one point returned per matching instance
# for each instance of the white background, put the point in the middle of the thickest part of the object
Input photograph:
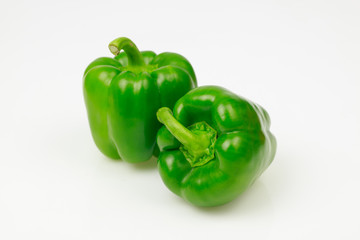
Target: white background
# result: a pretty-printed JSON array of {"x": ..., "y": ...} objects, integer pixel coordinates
[{"x": 300, "y": 60}]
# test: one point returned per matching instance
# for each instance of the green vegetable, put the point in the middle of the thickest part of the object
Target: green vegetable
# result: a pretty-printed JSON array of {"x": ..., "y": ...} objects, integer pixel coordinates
[
  {"x": 122, "y": 95},
  {"x": 214, "y": 147}
]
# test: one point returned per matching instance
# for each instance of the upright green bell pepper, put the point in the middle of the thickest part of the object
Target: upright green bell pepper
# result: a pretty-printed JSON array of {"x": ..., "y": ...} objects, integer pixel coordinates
[
  {"x": 214, "y": 147},
  {"x": 122, "y": 95}
]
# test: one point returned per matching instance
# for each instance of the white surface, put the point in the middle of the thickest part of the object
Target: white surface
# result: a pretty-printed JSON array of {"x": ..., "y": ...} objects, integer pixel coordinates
[{"x": 298, "y": 59}]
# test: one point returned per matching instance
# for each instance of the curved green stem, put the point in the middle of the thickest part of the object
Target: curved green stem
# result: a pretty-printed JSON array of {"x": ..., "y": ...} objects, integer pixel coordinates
[
  {"x": 134, "y": 56},
  {"x": 198, "y": 144}
]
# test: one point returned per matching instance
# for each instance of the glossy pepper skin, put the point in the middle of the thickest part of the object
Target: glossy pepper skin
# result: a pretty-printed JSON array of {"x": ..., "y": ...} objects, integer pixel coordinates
[
  {"x": 213, "y": 146},
  {"x": 122, "y": 95}
]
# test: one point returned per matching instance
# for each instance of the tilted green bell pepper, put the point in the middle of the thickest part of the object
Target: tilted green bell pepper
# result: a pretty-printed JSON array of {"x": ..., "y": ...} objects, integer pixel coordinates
[
  {"x": 122, "y": 95},
  {"x": 214, "y": 146}
]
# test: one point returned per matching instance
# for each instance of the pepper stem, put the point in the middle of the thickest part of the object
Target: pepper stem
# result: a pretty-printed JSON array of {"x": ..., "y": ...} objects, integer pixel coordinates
[
  {"x": 198, "y": 142},
  {"x": 134, "y": 56}
]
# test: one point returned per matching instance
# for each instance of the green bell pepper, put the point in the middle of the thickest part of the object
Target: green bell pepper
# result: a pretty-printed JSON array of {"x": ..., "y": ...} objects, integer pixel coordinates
[
  {"x": 214, "y": 146},
  {"x": 122, "y": 95}
]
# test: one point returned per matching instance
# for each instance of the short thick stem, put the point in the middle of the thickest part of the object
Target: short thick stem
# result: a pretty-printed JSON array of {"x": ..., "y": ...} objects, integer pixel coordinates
[{"x": 134, "y": 56}]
